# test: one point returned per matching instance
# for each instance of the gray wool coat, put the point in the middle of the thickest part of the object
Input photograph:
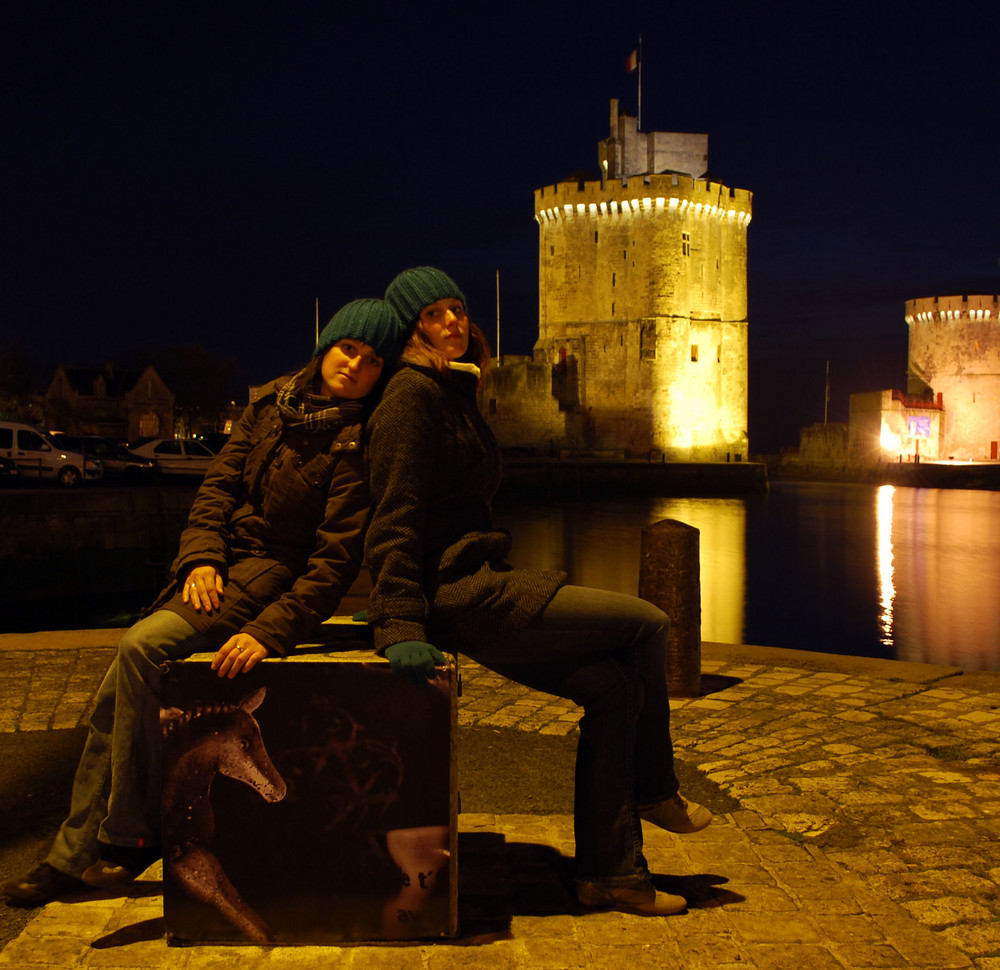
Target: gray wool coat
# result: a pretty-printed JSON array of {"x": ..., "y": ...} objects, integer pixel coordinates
[{"x": 438, "y": 563}]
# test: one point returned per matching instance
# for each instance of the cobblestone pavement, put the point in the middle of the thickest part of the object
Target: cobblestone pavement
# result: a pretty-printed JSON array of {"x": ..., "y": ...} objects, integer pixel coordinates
[{"x": 866, "y": 831}]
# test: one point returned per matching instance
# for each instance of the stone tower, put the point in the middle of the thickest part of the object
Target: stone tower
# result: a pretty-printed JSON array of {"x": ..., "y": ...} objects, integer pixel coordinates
[
  {"x": 643, "y": 299},
  {"x": 954, "y": 357}
]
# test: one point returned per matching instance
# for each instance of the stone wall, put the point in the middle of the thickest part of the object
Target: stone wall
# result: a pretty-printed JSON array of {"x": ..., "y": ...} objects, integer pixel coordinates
[
  {"x": 520, "y": 402},
  {"x": 823, "y": 443}
]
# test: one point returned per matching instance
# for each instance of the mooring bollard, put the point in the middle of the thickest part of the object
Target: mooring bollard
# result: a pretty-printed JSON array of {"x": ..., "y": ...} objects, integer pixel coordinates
[{"x": 669, "y": 578}]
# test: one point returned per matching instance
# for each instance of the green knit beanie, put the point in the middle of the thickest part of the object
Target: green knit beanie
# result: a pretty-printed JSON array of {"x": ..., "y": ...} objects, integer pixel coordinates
[
  {"x": 416, "y": 288},
  {"x": 373, "y": 322}
]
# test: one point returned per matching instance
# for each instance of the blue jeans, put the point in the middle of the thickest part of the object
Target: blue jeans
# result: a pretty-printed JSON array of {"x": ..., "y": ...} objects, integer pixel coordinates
[
  {"x": 607, "y": 652},
  {"x": 116, "y": 790}
]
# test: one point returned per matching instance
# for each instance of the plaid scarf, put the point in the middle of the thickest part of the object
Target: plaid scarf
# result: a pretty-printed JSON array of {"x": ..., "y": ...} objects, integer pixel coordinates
[{"x": 308, "y": 412}]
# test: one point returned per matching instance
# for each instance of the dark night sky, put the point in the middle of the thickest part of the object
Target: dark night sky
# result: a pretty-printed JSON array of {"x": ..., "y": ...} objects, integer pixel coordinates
[{"x": 181, "y": 173}]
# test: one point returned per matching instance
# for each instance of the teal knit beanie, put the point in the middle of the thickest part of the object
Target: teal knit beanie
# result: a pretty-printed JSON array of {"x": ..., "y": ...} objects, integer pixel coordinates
[
  {"x": 373, "y": 322},
  {"x": 415, "y": 288}
]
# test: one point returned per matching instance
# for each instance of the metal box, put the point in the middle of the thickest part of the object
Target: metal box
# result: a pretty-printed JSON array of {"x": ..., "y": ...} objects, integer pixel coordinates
[{"x": 310, "y": 801}]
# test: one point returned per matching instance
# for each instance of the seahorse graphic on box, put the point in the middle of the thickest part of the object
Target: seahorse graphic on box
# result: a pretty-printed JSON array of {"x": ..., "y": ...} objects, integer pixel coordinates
[{"x": 208, "y": 740}]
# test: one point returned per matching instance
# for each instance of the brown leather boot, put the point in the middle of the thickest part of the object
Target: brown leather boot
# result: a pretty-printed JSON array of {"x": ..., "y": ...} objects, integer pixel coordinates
[
  {"x": 120, "y": 865},
  {"x": 677, "y": 814},
  {"x": 641, "y": 900},
  {"x": 40, "y": 886}
]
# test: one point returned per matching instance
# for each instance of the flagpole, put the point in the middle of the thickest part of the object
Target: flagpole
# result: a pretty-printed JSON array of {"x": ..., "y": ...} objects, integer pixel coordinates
[
  {"x": 317, "y": 321},
  {"x": 498, "y": 316},
  {"x": 826, "y": 402}
]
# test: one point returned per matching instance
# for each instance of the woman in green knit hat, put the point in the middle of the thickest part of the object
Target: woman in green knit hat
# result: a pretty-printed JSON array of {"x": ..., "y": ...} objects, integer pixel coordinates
[
  {"x": 441, "y": 579},
  {"x": 274, "y": 540}
]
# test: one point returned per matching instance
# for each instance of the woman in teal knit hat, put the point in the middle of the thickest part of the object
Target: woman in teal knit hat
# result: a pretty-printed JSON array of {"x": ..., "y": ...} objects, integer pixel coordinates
[
  {"x": 274, "y": 540},
  {"x": 441, "y": 579}
]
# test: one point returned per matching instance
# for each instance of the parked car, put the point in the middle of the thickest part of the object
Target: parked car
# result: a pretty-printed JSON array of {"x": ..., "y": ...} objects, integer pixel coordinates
[
  {"x": 120, "y": 465},
  {"x": 39, "y": 458},
  {"x": 214, "y": 439},
  {"x": 175, "y": 456}
]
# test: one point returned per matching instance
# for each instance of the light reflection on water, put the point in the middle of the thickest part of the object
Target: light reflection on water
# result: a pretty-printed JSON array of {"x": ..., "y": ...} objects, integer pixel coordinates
[
  {"x": 947, "y": 550},
  {"x": 883, "y": 548},
  {"x": 903, "y": 573}
]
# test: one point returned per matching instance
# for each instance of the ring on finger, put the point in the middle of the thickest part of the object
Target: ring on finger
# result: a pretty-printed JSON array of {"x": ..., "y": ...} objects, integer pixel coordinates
[{"x": 239, "y": 649}]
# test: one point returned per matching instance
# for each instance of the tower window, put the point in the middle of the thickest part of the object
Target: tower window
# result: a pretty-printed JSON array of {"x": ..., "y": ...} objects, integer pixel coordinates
[
  {"x": 647, "y": 342},
  {"x": 595, "y": 235},
  {"x": 694, "y": 353},
  {"x": 685, "y": 244}
]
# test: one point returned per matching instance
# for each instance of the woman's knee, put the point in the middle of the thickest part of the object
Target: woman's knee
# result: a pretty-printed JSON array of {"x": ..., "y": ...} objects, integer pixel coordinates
[
  {"x": 152, "y": 639},
  {"x": 655, "y": 622},
  {"x": 633, "y": 616},
  {"x": 133, "y": 646}
]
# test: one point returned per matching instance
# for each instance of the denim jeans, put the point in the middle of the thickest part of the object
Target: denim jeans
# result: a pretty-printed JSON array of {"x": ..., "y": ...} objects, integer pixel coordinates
[
  {"x": 116, "y": 790},
  {"x": 607, "y": 652}
]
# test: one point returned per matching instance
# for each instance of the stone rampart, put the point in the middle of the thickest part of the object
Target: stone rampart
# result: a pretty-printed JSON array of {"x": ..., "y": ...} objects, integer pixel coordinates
[{"x": 520, "y": 403}]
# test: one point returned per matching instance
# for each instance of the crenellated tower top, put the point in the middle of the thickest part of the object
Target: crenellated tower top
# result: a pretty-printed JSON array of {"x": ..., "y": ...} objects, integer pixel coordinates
[
  {"x": 935, "y": 309},
  {"x": 645, "y": 195}
]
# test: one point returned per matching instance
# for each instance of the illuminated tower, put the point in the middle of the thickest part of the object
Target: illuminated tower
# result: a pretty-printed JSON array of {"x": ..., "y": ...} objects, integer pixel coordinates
[
  {"x": 643, "y": 298},
  {"x": 954, "y": 357}
]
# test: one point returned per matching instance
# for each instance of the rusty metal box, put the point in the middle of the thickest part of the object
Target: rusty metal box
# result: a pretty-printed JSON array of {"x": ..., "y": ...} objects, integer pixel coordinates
[{"x": 310, "y": 801}]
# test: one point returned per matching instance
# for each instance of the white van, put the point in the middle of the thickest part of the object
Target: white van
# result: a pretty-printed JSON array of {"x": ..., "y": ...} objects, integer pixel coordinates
[{"x": 38, "y": 457}]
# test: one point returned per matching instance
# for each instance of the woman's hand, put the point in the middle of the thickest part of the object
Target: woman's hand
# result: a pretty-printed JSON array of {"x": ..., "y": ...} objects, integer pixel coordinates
[
  {"x": 414, "y": 660},
  {"x": 241, "y": 652},
  {"x": 203, "y": 588}
]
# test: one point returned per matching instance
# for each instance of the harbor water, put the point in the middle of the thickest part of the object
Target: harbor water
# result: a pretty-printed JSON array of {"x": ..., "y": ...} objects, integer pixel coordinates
[{"x": 871, "y": 571}]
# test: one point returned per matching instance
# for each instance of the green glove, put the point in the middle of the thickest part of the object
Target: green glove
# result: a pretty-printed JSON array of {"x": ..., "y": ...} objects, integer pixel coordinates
[
  {"x": 360, "y": 617},
  {"x": 414, "y": 660}
]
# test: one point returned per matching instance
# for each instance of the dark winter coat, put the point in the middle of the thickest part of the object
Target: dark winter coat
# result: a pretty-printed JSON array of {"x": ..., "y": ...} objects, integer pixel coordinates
[
  {"x": 437, "y": 562},
  {"x": 281, "y": 514}
]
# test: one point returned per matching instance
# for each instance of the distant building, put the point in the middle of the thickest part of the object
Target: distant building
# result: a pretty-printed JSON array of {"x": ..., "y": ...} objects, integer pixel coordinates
[
  {"x": 951, "y": 408},
  {"x": 642, "y": 343},
  {"x": 892, "y": 426},
  {"x": 120, "y": 403}
]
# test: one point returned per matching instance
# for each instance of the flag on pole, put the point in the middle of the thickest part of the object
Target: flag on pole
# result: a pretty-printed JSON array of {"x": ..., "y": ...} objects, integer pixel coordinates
[{"x": 633, "y": 61}]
